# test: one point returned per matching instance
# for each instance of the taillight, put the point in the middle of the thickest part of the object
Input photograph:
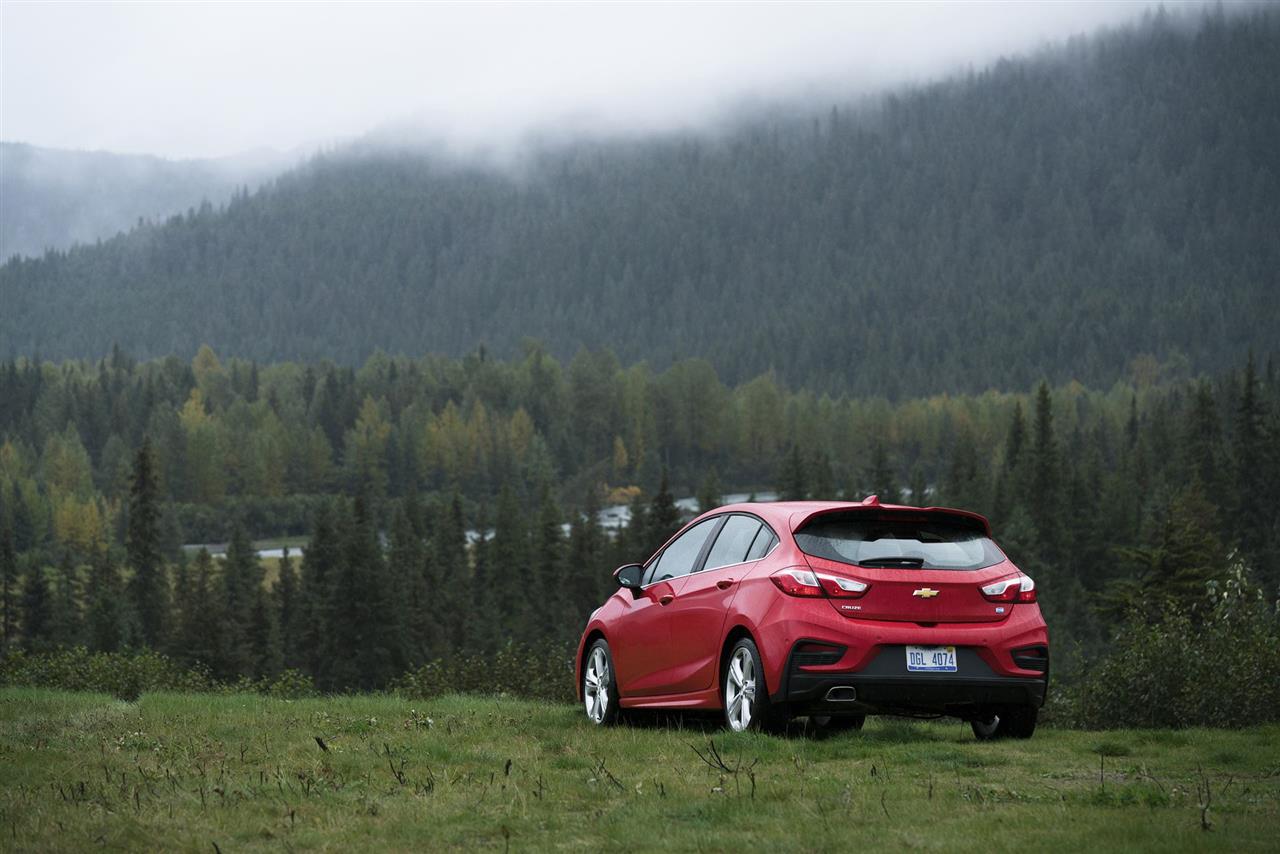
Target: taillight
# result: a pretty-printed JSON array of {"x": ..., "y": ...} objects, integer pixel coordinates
[
  {"x": 1018, "y": 588},
  {"x": 798, "y": 581},
  {"x": 839, "y": 587},
  {"x": 795, "y": 581}
]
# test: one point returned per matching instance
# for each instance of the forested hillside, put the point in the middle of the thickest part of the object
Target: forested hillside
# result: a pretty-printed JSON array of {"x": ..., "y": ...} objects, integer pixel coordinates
[
  {"x": 50, "y": 198},
  {"x": 1052, "y": 217},
  {"x": 1143, "y": 496}
]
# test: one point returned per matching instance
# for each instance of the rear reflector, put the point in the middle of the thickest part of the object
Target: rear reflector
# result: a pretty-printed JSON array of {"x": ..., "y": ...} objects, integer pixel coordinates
[{"x": 1032, "y": 658}]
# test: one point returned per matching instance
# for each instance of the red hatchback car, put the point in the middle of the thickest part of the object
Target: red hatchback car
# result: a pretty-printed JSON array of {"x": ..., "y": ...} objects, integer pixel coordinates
[{"x": 833, "y": 610}]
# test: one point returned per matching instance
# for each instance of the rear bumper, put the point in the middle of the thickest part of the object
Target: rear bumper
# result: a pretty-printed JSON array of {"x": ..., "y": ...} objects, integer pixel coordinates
[{"x": 885, "y": 687}]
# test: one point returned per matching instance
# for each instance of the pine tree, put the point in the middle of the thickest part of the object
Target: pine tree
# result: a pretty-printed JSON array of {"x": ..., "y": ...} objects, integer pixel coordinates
[
  {"x": 822, "y": 479},
  {"x": 793, "y": 479},
  {"x": 363, "y": 651},
  {"x": 288, "y": 606},
  {"x": 107, "y": 617},
  {"x": 8, "y": 583},
  {"x": 451, "y": 581},
  {"x": 549, "y": 618},
  {"x": 1202, "y": 442},
  {"x": 1044, "y": 495},
  {"x": 241, "y": 588},
  {"x": 709, "y": 497},
  {"x": 148, "y": 588},
  {"x": 588, "y": 575},
  {"x": 204, "y": 622},
  {"x": 266, "y": 656},
  {"x": 320, "y": 563},
  {"x": 510, "y": 568},
  {"x": 483, "y": 605},
  {"x": 406, "y": 563},
  {"x": 664, "y": 516},
  {"x": 37, "y": 612},
  {"x": 1249, "y": 449},
  {"x": 880, "y": 475},
  {"x": 67, "y": 622}
]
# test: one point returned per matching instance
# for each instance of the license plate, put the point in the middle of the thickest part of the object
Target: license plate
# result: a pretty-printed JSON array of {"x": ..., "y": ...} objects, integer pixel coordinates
[{"x": 931, "y": 659}]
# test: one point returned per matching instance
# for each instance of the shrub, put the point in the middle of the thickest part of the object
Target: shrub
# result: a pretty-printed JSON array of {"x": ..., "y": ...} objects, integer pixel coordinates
[
  {"x": 513, "y": 669},
  {"x": 1214, "y": 665},
  {"x": 123, "y": 675}
]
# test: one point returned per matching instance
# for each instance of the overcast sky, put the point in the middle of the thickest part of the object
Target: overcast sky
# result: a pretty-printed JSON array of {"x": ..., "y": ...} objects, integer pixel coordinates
[{"x": 198, "y": 80}]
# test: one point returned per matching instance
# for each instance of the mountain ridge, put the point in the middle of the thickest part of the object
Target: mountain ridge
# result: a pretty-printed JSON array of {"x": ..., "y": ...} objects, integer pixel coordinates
[{"x": 1048, "y": 217}]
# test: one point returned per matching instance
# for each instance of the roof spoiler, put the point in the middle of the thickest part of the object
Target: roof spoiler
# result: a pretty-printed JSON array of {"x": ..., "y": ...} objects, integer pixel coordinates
[{"x": 871, "y": 504}]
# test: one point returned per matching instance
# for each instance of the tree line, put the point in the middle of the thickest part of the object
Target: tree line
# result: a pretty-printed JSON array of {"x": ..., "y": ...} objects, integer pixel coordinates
[
  {"x": 1047, "y": 217},
  {"x": 458, "y": 509}
]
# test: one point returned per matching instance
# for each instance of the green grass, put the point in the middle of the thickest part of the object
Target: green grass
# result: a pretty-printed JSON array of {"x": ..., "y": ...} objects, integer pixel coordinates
[{"x": 186, "y": 772}]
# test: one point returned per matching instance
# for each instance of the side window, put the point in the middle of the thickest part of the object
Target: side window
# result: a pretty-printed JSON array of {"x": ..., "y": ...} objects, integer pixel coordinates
[
  {"x": 733, "y": 542},
  {"x": 765, "y": 541},
  {"x": 677, "y": 559}
]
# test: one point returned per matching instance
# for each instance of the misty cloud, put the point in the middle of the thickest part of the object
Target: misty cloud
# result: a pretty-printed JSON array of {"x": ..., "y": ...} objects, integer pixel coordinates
[{"x": 211, "y": 80}]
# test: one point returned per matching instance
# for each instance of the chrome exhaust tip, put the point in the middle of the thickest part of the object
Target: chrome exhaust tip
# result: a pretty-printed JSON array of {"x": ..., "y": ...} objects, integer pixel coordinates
[{"x": 842, "y": 694}]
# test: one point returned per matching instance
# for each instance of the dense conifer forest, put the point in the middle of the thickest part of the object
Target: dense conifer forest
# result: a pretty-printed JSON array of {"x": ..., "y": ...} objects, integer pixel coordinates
[
  {"x": 1047, "y": 217},
  {"x": 1140, "y": 496}
]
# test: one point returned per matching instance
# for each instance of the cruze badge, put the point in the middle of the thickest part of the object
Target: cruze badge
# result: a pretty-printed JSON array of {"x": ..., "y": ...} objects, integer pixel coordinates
[{"x": 925, "y": 593}]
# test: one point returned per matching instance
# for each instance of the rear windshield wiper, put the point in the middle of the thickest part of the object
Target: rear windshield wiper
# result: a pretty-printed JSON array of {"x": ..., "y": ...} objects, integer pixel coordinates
[{"x": 890, "y": 562}]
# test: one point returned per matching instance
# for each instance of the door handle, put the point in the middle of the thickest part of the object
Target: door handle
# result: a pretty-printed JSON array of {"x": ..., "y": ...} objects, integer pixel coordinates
[
  {"x": 724, "y": 583},
  {"x": 665, "y": 600}
]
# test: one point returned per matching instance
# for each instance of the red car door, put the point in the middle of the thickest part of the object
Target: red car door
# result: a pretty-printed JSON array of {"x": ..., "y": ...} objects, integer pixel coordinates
[
  {"x": 641, "y": 637},
  {"x": 697, "y": 614}
]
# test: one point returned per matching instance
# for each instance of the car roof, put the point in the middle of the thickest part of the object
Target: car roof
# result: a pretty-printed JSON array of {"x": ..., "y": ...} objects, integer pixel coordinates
[{"x": 791, "y": 515}]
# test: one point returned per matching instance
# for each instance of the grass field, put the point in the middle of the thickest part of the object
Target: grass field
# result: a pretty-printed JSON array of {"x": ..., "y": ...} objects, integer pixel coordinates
[{"x": 191, "y": 772}]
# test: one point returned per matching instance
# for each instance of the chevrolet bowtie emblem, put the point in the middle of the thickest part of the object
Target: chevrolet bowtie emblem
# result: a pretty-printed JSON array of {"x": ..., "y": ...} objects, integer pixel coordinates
[{"x": 925, "y": 593}]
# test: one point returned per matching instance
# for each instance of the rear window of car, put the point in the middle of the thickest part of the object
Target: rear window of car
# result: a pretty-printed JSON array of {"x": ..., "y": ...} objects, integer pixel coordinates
[{"x": 903, "y": 543}]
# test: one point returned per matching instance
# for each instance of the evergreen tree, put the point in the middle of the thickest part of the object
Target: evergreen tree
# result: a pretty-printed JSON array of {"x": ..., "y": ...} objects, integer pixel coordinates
[
  {"x": 242, "y": 575},
  {"x": 451, "y": 582},
  {"x": 1044, "y": 495},
  {"x": 204, "y": 622},
  {"x": 793, "y": 480},
  {"x": 510, "y": 568},
  {"x": 588, "y": 574},
  {"x": 664, "y": 517},
  {"x": 320, "y": 566},
  {"x": 709, "y": 497},
  {"x": 1202, "y": 444},
  {"x": 288, "y": 605},
  {"x": 880, "y": 475},
  {"x": 8, "y": 582},
  {"x": 108, "y": 618},
  {"x": 1252, "y": 514},
  {"x": 148, "y": 588},
  {"x": 67, "y": 621},
  {"x": 550, "y": 614},
  {"x": 363, "y": 651},
  {"x": 822, "y": 479},
  {"x": 37, "y": 611},
  {"x": 266, "y": 655}
]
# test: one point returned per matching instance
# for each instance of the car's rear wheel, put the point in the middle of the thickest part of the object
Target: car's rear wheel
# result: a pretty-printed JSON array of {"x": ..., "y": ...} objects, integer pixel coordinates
[
  {"x": 838, "y": 723},
  {"x": 1006, "y": 722},
  {"x": 746, "y": 697},
  {"x": 599, "y": 685}
]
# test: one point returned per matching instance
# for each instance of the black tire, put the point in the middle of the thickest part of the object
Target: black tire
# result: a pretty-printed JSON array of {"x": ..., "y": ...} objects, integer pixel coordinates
[
  {"x": 1006, "y": 722},
  {"x": 761, "y": 714},
  {"x": 595, "y": 690},
  {"x": 837, "y": 723}
]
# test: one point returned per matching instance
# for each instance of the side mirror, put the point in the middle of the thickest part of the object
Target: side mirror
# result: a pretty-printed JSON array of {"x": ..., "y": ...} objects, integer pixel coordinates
[{"x": 629, "y": 576}]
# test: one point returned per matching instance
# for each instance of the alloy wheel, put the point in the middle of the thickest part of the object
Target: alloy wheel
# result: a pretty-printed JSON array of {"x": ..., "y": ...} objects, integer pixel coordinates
[
  {"x": 595, "y": 686},
  {"x": 740, "y": 689}
]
